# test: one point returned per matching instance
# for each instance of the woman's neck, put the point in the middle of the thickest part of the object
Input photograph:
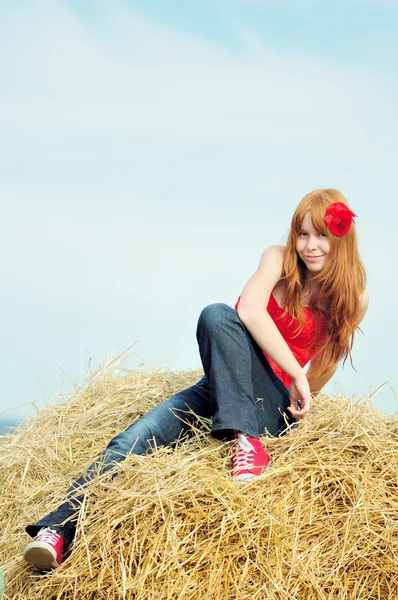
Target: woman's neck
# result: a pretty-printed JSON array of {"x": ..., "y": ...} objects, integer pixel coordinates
[{"x": 310, "y": 290}]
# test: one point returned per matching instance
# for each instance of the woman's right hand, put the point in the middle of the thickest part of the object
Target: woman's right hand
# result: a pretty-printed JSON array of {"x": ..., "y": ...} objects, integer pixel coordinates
[{"x": 300, "y": 397}]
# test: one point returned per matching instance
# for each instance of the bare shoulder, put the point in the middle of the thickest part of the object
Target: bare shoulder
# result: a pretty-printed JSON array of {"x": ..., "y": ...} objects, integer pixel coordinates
[
  {"x": 273, "y": 254},
  {"x": 256, "y": 293},
  {"x": 364, "y": 300}
]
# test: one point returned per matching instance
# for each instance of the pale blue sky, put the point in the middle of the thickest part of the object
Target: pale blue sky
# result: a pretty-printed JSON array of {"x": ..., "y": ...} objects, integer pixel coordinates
[{"x": 149, "y": 152}]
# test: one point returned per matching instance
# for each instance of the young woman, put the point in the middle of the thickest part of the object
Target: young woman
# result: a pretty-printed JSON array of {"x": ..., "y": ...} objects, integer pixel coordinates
[{"x": 304, "y": 303}]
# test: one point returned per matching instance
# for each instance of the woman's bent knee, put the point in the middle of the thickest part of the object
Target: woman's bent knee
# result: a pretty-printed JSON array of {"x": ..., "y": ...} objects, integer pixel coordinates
[{"x": 214, "y": 315}]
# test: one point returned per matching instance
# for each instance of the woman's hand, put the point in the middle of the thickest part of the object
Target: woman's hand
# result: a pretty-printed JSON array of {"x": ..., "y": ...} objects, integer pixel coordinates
[{"x": 300, "y": 397}]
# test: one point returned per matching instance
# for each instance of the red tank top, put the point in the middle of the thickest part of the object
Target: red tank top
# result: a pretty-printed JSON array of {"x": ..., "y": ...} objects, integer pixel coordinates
[{"x": 303, "y": 345}]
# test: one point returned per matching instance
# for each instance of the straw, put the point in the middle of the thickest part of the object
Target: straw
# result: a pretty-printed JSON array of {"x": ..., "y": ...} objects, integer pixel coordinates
[{"x": 322, "y": 523}]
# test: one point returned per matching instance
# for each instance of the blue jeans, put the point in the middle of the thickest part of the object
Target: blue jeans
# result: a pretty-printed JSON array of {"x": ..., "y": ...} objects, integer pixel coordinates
[{"x": 239, "y": 391}]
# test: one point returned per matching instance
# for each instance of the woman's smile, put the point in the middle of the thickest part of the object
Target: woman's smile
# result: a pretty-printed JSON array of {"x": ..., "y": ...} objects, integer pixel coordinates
[{"x": 309, "y": 240}]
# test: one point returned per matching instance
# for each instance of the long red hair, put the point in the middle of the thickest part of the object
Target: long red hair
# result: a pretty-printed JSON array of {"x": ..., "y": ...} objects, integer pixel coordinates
[{"x": 342, "y": 281}]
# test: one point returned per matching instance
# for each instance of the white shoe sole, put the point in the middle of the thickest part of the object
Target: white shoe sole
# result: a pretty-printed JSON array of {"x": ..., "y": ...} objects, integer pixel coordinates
[
  {"x": 248, "y": 477},
  {"x": 41, "y": 555}
]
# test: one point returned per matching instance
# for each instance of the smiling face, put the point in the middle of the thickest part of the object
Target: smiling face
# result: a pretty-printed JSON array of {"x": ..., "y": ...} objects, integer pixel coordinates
[{"x": 313, "y": 247}]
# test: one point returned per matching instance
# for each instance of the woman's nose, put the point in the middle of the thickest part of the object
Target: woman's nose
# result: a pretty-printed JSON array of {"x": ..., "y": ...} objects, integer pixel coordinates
[{"x": 311, "y": 243}]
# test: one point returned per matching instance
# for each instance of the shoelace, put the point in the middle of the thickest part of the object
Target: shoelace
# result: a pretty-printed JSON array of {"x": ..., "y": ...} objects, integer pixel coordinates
[
  {"x": 244, "y": 456},
  {"x": 48, "y": 535}
]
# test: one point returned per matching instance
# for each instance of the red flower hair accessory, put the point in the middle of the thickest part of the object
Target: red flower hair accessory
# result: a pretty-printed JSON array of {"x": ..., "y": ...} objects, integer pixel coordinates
[{"x": 339, "y": 218}]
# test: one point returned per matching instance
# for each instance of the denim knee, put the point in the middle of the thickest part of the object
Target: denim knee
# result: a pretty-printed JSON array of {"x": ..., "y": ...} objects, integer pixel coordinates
[
  {"x": 133, "y": 440},
  {"x": 215, "y": 315}
]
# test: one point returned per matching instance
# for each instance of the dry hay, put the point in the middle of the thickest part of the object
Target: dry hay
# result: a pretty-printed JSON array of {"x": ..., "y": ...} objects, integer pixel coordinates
[{"x": 322, "y": 523}]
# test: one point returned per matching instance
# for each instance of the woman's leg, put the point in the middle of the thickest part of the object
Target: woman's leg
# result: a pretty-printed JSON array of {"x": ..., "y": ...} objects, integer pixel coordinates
[
  {"x": 240, "y": 391},
  {"x": 161, "y": 426},
  {"x": 245, "y": 393}
]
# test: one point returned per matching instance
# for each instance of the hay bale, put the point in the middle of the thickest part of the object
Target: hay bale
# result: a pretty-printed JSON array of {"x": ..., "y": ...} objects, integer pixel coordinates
[{"x": 322, "y": 523}]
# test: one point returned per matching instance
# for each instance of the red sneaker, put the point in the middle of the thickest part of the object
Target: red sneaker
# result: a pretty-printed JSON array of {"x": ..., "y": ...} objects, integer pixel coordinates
[
  {"x": 45, "y": 552},
  {"x": 249, "y": 458}
]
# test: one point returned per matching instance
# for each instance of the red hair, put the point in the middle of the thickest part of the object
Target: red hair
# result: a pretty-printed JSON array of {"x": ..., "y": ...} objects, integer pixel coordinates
[{"x": 342, "y": 281}]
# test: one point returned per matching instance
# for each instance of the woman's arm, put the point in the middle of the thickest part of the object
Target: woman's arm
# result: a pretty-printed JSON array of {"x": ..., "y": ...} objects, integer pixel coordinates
[
  {"x": 317, "y": 383},
  {"x": 254, "y": 315},
  {"x": 253, "y": 312}
]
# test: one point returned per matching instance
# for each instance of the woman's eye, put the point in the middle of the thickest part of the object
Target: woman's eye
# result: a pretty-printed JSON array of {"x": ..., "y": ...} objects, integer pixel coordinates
[{"x": 302, "y": 233}]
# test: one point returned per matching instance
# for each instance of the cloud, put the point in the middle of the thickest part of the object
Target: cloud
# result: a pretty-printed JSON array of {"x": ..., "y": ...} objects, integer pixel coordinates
[
  {"x": 133, "y": 77},
  {"x": 144, "y": 171},
  {"x": 305, "y": 4}
]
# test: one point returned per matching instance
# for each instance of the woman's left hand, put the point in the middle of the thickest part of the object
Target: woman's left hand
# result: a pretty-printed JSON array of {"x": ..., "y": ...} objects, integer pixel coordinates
[{"x": 300, "y": 397}]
